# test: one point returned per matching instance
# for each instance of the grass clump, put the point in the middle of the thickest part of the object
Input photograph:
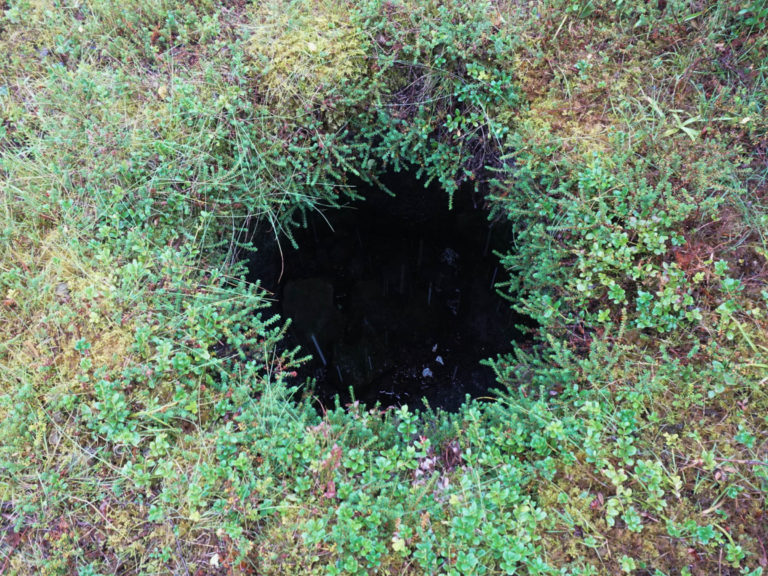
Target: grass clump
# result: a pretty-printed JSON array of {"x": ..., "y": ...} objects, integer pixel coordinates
[{"x": 151, "y": 418}]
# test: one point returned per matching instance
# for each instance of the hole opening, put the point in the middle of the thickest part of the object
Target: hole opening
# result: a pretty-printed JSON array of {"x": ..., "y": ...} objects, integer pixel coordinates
[{"x": 394, "y": 296}]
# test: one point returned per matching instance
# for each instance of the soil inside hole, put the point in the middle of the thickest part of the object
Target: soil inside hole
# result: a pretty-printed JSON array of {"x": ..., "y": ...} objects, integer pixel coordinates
[{"x": 393, "y": 296}]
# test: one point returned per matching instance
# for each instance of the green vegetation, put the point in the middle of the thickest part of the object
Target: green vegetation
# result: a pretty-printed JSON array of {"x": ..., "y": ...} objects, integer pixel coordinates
[{"x": 151, "y": 423}]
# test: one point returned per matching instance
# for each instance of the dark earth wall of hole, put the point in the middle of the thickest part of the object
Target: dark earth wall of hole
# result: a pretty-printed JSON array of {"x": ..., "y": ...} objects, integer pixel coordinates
[{"x": 393, "y": 296}]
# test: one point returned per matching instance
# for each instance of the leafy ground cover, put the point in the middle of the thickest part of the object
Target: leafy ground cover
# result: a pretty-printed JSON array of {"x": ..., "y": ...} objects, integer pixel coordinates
[{"x": 151, "y": 420}]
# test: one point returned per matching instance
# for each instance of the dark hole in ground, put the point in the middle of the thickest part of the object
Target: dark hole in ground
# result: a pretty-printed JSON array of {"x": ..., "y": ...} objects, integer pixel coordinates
[{"x": 393, "y": 296}]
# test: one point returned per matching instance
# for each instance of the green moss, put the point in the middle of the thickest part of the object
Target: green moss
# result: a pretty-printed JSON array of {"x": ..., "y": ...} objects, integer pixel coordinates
[
  {"x": 149, "y": 419},
  {"x": 306, "y": 51}
]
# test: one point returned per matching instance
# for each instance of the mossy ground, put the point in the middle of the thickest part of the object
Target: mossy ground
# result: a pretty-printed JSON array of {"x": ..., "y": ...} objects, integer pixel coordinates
[{"x": 151, "y": 421}]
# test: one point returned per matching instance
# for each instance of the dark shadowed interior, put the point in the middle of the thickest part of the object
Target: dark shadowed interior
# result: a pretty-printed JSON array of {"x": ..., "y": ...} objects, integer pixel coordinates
[{"x": 394, "y": 298}]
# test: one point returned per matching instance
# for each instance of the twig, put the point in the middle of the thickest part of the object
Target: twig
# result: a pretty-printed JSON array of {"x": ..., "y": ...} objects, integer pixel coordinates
[
  {"x": 559, "y": 28},
  {"x": 178, "y": 547},
  {"x": 752, "y": 462}
]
